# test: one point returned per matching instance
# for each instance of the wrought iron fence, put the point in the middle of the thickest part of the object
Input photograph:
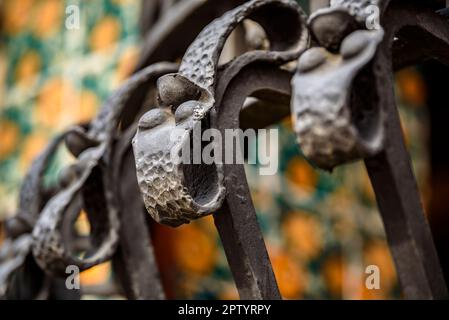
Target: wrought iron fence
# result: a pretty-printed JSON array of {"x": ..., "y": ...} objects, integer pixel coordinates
[{"x": 332, "y": 71}]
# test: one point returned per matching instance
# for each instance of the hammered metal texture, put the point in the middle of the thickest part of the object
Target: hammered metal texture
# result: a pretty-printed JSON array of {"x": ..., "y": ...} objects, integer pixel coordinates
[{"x": 172, "y": 192}]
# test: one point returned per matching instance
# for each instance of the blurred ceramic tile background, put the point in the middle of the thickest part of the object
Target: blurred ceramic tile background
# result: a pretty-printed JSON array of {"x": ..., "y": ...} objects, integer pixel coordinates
[{"x": 321, "y": 230}]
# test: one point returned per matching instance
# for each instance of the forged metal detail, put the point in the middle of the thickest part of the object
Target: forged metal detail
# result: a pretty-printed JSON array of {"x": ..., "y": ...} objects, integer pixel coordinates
[
  {"x": 166, "y": 198},
  {"x": 391, "y": 173},
  {"x": 175, "y": 193},
  {"x": 31, "y": 196},
  {"x": 201, "y": 59},
  {"x": 372, "y": 97},
  {"x": 236, "y": 221},
  {"x": 326, "y": 127},
  {"x": 86, "y": 184},
  {"x": 135, "y": 263},
  {"x": 343, "y": 108},
  {"x": 174, "y": 31},
  {"x": 331, "y": 128},
  {"x": 12, "y": 256},
  {"x": 17, "y": 246},
  {"x": 329, "y": 26},
  {"x": 356, "y": 8}
]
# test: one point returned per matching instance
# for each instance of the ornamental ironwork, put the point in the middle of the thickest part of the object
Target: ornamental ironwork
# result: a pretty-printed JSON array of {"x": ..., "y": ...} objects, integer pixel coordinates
[{"x": 336, "y": 69}]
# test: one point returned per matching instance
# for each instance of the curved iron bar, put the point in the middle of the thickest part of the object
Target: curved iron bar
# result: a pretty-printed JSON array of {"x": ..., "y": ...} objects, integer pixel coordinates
[
  {"x": 391, "y": 173},
  {"x": 236, "y": 220},
  {"x": 170, "y": 35},
  {"x": 369, "y": 119},
  {"x": 186, "y": 18},
  {"x": 31, "y": 195},
  {"x": 420, "y": 35},
  {"x": 367, "y": 111},
  {"x": 17, "y": 267},
  {"x": 89, "y": 179},
  {"x": 134, "y": 262},
  {"x": 175, "y": 191}
]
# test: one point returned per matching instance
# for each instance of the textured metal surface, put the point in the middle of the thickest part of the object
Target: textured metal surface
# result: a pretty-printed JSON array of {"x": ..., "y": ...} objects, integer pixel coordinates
[
  {"x": 12, "y": 257},
  {"x": 19, "y": 278},
  {"x": 134, "y": 261},
  {"x": 357, "y": 9},
  {"x": 172, "y": 34},
  {"x": 328, "y": 131},
  {"x": 175, "y": 193},
  {"x": 91, "y": 182},
  {"x": 370, "y": 115},
  {"x": 391, "y": 172},
  {"x": 236, "y": 221},
  {"x": 137, "y": 269},
  {"x": 200, "y": 62}
]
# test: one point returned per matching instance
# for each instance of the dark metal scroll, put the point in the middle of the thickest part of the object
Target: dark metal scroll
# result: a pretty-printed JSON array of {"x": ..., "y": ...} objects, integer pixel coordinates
[
  {"x": 20, "y": 278},
  {"x": 367, "y": 117},
  {"x": 173, "y": 32},
  {"x": 342, "y": 105},
  {"x": 91, "y": 180},
  {"x": 391, "y": 173},
  {"x": 192, "y": 94},
  {"x": 167, "y": 37},
  {"x": 176, "y": 192}
]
